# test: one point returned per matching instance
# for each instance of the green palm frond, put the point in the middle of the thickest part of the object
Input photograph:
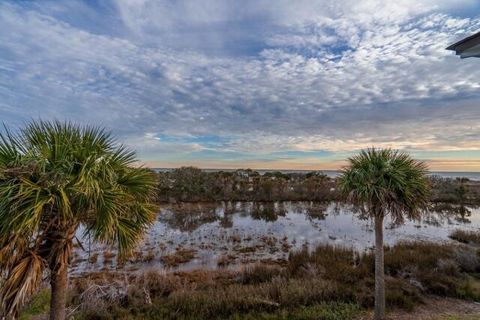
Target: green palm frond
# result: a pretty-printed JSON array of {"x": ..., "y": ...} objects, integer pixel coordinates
[
  {"x": 386, "y": 181},
  {"x": 55, "y": 176}
]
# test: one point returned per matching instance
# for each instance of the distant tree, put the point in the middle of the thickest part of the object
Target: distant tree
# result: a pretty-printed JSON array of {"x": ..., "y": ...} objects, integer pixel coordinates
[
  {"x": 461, "y": 193},
  {"x": 316, "y": 174},
  {"x": 190, "y": 183},
  {"x": 55, "y": 177},
  {"x": 462, "y": 190},
  {"x": 277, "y": 174},
  {"x": 193, "y": 184},
  {"x": 382, "y": 182}
]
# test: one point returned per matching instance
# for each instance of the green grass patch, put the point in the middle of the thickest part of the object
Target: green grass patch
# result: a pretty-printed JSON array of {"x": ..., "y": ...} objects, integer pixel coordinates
[{"x": 40, "y": 304}]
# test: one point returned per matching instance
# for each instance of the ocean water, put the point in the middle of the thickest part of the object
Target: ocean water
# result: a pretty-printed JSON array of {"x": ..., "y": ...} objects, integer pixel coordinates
[
  {"x": 475, "y": 176},
  {"x": 470, "y": 175}
]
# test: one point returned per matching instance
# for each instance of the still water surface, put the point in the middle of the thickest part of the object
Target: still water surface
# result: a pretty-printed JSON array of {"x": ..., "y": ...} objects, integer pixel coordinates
[{"x": 229, "y": 234}]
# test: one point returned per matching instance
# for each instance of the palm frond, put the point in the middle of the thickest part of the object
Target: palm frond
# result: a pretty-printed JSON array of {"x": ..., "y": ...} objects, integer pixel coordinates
[
  {"x": 55, "y": 176},
  {"x": 386, "y": 181},
  {"x": 21, "y": 283}
]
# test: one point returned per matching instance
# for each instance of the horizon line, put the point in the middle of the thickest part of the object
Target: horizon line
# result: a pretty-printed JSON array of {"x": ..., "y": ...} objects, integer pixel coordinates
[{"x": 265, "y": 169}]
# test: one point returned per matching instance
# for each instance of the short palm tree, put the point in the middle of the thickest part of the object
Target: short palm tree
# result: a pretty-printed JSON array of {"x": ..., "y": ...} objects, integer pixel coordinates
[
  {"x": 382, "y": 182},
  {"x": 54, "y": 177}
]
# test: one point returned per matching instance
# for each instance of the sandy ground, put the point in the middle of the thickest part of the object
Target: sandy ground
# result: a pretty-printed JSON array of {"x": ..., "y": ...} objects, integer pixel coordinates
[{"x": 436, "y": 308}]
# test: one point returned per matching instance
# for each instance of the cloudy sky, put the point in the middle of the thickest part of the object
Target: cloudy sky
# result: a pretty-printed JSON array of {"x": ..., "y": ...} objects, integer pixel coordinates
[{"x": 263, "y": 83}]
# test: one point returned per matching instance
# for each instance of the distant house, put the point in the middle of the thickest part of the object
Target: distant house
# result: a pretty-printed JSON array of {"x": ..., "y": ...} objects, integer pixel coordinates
[{"x": 468, "y": 47}]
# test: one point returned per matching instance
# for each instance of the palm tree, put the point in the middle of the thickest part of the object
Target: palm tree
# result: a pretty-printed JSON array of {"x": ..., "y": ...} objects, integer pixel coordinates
[
  {"x": 55, "y": 177},
  {"x": 382, "y": 182}
]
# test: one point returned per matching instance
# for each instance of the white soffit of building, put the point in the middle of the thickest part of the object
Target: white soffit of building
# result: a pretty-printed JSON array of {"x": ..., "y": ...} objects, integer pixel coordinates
[
  {"x": 468, "y": 47},
  {"x": 472, "y": 52}
]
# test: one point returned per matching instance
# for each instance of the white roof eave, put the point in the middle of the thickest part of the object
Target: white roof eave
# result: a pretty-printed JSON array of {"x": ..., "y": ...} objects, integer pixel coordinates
[{"x": 471, "y": 52}]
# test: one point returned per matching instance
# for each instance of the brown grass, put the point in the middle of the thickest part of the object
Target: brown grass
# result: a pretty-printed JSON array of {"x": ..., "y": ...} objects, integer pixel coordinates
[
  {"x": 328, "y": 275},
  {"x": 180, "y": 256},
  {"x": 464, "y": 236}
]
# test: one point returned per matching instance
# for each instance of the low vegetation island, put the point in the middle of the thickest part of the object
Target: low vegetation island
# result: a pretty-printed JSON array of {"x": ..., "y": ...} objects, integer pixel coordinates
[{"x": 191, "y": 184}]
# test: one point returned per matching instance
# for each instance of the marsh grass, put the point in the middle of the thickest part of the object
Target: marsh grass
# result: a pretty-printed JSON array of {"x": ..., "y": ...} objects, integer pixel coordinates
[
  {"x": 181, "y": 255},
  {"x": 326, "y": 283},
  {"x": 259, "y": 273},
  {"x": 324, "y": 311},
  {"x": 464, "y": 236}
]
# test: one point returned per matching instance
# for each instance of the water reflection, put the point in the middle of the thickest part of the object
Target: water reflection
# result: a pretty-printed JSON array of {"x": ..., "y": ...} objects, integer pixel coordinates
[
  {"x": 232, "y": 233},
  {"x": 441, "y": 213},
  {"x": 316, "y": 211},
  {"x": 189, "y": 217},
  {"x": 267, "y": 211}
]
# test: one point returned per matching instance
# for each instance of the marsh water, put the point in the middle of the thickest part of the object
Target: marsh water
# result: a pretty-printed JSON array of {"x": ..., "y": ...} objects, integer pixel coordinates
[{"x": 229, "y": 234}]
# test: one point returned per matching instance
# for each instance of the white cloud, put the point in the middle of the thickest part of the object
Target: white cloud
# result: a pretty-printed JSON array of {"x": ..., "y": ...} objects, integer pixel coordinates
[
  {"x": 320, "y": 74},
  {"x": 149, "y": 145}
]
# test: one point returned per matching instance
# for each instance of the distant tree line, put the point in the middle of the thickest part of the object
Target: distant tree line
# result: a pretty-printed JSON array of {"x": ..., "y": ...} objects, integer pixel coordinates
[
  {"x": 191, "y": 184},
  {"x": 454, "y": 190}
]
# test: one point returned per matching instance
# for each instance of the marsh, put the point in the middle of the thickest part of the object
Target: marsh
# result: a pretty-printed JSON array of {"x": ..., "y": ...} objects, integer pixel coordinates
[{"x": 215, "y": 235}]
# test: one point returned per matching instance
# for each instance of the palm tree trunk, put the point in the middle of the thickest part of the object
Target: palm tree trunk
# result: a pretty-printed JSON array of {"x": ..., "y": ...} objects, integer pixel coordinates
[
  {"x": 57, "y": 250},
  {"x": 59, "y": 284},
  {"x": 379, "y": 269}
]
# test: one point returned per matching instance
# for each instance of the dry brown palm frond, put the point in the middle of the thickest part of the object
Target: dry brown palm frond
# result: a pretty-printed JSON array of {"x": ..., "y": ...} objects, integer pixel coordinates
[
  {"x": 22, "y": 281},
  {"x": 59, "y": 247},
  {"x": 11, "y": 248}
]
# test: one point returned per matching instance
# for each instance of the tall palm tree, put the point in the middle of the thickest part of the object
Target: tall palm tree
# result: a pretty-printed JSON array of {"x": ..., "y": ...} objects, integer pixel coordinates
[
  {"x": 55, "y": 177},
  {"x": 382, "y": 182}
]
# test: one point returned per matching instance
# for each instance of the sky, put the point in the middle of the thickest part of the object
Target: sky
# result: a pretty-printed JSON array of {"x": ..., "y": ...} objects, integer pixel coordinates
[{"x": 264, "y": 84}]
